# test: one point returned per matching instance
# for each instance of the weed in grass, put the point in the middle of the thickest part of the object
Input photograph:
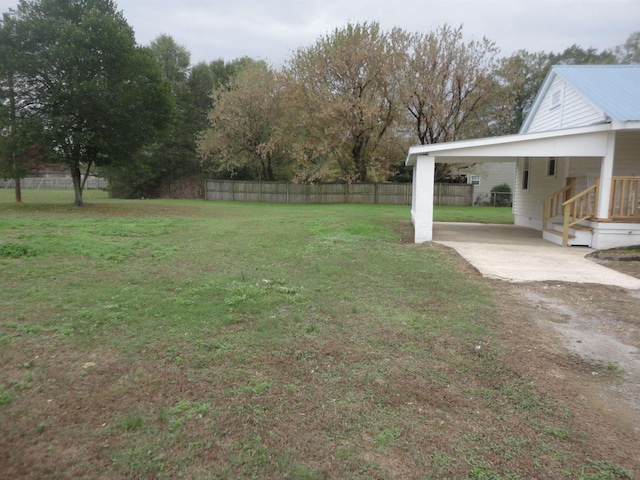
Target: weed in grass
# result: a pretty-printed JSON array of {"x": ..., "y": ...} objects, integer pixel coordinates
[
  {"x": 188, "y": 409},
  {"x": 387, "y": 436},
  {"x": 142, "y": 461},
  {"x": 604, "y": 470},
  {"x": 559, "y": 432},
  {"x": 17, "y": 250},
  {"x": 521, "y": 394},
  {"x": 442, "y": 460},
  {"x": 614, "y": 367},
  {"x": 257, "y": 387},
  {"x": 25, "y": 383},
  {"x": 132, "y": 421},
  {"x": 5, "y": 396},
  {"x": 162, "y": 415},
  {"x": 511, "y": 447}
]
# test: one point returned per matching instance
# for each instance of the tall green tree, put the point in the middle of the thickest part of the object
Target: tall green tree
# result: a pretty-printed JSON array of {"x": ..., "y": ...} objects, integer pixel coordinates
[
  {"x": 10, "y": 100},
  {"x": 100, "y": 97},
  {"x": 173, "y": 159},
  {"x": 519, "y": 78},
  {"x": 629, "y": 51},
  {"x": 174, "y": 59},
  {"x": 173, "y": 154}
]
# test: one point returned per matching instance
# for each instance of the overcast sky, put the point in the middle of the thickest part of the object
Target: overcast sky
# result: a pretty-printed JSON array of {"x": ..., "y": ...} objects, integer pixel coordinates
[{"x": 272, "y": 29}]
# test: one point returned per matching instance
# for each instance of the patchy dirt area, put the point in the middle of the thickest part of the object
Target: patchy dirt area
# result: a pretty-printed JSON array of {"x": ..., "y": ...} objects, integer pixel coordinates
[{"x": 584, "y": 339}]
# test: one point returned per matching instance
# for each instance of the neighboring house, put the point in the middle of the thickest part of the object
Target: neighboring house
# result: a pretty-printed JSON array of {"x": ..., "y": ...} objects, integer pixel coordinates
[
  {"x": 485, "y": 176},
  {"x": 577, "y": 160}
]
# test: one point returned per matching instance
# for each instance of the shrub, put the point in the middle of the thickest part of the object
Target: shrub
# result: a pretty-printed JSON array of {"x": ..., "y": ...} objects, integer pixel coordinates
[{"x": 501, "y": 195}]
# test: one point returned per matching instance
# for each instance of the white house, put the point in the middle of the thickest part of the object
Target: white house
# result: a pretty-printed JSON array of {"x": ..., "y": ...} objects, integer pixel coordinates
[
  {"x": 577, "y": 160},
  {"x": 485, "y": 176}
]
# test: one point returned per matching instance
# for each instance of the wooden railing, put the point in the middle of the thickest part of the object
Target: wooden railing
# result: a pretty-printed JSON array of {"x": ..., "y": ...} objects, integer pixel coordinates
[
  {"x": 624, "y": 204},
  {"x": 552, "y": 205},
  {"x": 578, "y": 208},
  {"x": 625, "y": 198}
]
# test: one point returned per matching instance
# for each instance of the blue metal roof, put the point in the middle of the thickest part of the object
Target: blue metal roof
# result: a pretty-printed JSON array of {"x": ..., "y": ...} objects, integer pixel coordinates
[{"x": 614, "y": 89}]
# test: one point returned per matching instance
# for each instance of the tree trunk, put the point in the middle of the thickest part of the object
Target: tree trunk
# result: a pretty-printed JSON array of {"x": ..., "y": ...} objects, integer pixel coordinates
[
  {"x": 18, "y": 190},
  {"x": 77, "y": 185},
  {"x": 14, "y": 127}
]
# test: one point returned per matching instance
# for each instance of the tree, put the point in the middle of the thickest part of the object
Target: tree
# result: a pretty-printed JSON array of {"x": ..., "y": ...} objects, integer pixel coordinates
[
  {"x": 244, "y": 137},
  {"x": 576, "y": 55},
  {"x": 448, "y": 87},
  {"x": 174, "y": 59},
  {"x": 173, "y": 160},
  {"x": 521, "y": 75},
  {"x": 344, "y": 104},
  {"x": 519, "y": 78},
  {"x": 10, "y": 124},
  {"x": 172, "y": 155},
  {"x": 100, "y": 98},
  {"x": 629, "y": 52}
]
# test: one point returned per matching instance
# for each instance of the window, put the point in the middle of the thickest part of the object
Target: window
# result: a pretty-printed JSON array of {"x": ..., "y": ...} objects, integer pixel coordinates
[
  {"x": 525, "y": 173},
  {"x": 473, "y": 179},
  {"x": 552, "y": 164},
  {"x": 555, "y": 99}
]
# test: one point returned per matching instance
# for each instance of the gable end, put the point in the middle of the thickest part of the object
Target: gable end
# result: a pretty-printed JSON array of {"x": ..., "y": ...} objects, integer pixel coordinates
[{"x": 562, "y": 106}]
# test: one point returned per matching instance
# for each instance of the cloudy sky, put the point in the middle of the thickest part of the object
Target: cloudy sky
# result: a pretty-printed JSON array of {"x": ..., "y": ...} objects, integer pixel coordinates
[{"x": 272, "y": 29}]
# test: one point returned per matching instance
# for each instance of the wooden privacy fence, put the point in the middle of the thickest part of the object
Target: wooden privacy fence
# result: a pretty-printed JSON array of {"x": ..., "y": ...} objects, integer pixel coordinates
[{"x": 369, "y": 193}]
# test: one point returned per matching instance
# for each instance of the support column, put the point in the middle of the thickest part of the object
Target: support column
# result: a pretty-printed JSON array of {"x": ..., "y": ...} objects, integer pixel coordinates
[
  {"x": 422, "y": 202},
  {"x": 606, "y": 174}
]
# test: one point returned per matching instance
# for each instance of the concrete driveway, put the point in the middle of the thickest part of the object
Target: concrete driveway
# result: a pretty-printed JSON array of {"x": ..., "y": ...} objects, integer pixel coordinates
[{"x": 519, "y": 254}]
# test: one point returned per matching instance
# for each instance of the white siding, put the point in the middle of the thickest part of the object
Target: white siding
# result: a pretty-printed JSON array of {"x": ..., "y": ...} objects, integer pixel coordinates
[
  {"x": 527, "y": 206},
  {"x": 492, "y": 174},
  {"x": 626, "y": 163},
  {"x": 584, "y": 170},
  {"x": 627, "y": 154},
  {"x": 571, "y": 111}
]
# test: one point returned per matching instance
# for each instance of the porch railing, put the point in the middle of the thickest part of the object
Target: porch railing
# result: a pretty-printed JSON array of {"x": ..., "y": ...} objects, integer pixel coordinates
[
  {"x": 578, "y": 208},
  {"x": 552, "y": 205},
  {"x": 625, "y": 198}
]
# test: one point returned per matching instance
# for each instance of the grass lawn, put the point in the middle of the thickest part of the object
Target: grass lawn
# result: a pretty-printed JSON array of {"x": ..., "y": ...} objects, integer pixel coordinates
[{"x": 192, "y": 339}]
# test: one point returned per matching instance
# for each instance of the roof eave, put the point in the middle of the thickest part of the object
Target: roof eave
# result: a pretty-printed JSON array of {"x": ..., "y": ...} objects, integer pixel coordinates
[{"x": 453, "y": 149}]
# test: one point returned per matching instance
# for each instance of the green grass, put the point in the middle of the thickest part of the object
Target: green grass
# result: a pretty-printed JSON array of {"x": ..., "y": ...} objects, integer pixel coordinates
[
  {"x": 501, "y": 215},
  {"x": 168, "y": 339}
]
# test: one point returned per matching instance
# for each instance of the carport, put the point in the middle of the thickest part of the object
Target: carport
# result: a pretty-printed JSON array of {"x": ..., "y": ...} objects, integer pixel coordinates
[{"x": 519, "y": 254}]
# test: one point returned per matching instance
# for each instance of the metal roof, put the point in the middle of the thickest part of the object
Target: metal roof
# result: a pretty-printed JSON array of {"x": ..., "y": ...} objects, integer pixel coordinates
[{"x": 614, "y": 89}]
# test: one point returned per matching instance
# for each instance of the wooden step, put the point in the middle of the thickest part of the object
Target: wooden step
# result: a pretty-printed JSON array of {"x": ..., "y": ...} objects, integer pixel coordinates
[
  {"x": 577, "y": 226},
  {"x": 556, "y": 232}
]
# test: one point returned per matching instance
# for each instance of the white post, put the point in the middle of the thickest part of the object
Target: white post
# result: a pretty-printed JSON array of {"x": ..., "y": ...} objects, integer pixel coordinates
[
  {"x": 606, "y": 172},
  {"x": 422, "y": 202}
]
